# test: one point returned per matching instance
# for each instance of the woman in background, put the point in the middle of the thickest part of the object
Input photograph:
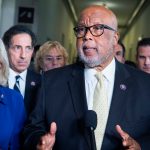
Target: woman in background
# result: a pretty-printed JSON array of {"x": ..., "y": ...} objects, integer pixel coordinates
[
  {"x": 12, "y": 112},
  {"x": 50, "y": 55}
]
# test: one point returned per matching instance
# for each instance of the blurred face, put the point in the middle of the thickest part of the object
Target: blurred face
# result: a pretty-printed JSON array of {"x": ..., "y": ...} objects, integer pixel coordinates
[
  {"x": 20, "y": 52},
  {"x": 53, "y": 59},
  {"x": 119, "y": 53},
  {"x": 143, "y": 58},
  {"x": 96, "y": 51}
]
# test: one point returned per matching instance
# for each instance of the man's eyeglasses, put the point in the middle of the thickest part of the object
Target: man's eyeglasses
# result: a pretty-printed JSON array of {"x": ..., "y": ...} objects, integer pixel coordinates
[{"x": 95, "y": 30}]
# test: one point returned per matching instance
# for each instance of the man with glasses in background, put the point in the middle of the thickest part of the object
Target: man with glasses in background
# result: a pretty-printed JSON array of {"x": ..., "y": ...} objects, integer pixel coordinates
[{"x": 59, "y": 120}]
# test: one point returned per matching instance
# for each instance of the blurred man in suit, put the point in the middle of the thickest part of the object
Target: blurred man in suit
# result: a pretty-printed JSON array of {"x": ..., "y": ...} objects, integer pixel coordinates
[
  {"x": 67, "y": 93},
  {"x": 143, "y": 55},
  {"x": 19, "y": 42},
  {"x": 120, "y": 52}
]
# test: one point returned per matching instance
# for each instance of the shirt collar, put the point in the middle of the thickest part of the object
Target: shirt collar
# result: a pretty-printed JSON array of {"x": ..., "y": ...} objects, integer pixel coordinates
[
  {"x": 108, "y": 72},
  {"x": 22, "y": 74},
  {"x": 89, "y": 73}
]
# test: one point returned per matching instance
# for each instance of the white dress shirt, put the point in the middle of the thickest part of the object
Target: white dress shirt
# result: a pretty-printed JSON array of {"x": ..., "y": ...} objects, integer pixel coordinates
[
  {"x": 22, "y": 81},
  {"x": 91, "y": 81}
]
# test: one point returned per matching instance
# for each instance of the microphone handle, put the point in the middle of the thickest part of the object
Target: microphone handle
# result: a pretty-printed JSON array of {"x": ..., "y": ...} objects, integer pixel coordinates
[{"x": 93, "y": 142}]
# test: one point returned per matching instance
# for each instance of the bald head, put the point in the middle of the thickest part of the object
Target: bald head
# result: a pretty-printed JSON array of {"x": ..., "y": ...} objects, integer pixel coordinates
[
  {"x": 105, "y": 15},
  {"x": 97, "y": 35}
]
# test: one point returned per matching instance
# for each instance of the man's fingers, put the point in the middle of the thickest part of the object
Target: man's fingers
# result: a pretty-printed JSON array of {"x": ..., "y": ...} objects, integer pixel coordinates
[
  {"x": 53, "y": 128},
  {"x": 128, "y": 141},
  {"x": 123, "y": 134},
  {"x": 47, "y": 141}
]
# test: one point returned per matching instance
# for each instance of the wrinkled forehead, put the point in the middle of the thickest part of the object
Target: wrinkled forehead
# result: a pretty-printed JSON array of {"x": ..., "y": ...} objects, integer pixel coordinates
[
  {"x": 98, "y": 14},
  {"x": 91, "y": 17}
]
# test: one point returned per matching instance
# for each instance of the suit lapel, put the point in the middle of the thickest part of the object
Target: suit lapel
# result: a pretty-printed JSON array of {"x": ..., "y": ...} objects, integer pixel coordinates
[
  {"x": 120, "y": 90},
  {"x": 77, "y": 88},
  {"x": 27, "y": 86},
  {"x": 122, "y": 86},
  {"x": 30, "y": 83}
]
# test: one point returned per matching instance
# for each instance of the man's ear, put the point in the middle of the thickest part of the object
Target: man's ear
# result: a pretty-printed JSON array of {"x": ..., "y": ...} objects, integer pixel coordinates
[{"x": 116, "y": 37}]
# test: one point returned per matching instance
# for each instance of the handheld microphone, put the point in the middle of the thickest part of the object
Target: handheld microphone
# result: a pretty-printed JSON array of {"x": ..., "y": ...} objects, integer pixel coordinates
[{"x": 90, "y": 122}]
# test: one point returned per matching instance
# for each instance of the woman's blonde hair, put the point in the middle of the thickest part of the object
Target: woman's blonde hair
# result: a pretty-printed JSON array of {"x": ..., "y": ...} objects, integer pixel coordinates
[
  {"x": 44, "y": 49},
  {"x": 4, "y": 65}
]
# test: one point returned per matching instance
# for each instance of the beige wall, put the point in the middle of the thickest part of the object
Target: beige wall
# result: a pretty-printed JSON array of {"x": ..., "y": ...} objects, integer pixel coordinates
[
  {"x": 55, "y": 23},
  {"x": 139, "y": 29}
]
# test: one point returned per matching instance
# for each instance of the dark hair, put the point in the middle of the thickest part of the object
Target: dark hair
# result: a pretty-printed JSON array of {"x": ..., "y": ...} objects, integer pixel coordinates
[
  {"x": 123, "y": 47},
  {"x": 17, "y": 29},
  {"x": 143, "y": 42}
]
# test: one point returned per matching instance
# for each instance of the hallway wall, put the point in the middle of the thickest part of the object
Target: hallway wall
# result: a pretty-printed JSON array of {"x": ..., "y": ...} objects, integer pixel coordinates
[
  {"x": 55, "y": 24},
  {"x": 139, "y": 29},
  {"x": 8, "y": 11},
  {"x": 51, "y": 21}
]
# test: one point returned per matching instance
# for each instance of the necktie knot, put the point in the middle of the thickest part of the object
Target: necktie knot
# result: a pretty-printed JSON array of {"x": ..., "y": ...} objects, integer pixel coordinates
[
  {"x": 99, "y": 77},
  {"x": 17, "y": 78},
  {"x": 17, "y": 86}
]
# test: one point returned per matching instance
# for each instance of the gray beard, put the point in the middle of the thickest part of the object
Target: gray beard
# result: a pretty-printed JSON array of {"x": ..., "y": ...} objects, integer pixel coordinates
[
  {"x": 90, "y": 62},
  {"x": 94, "y": 62}
]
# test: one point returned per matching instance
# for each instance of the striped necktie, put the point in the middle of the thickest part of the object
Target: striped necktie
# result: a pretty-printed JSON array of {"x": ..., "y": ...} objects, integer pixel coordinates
[
  {"x": 100, "y": 106},
  {"x": 16, "y": 85}
]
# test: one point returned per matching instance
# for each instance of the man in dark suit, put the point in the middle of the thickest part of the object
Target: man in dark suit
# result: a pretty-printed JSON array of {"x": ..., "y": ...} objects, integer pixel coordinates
[
  {"x": 19, "y": 42},
  {"x": 66, "y": 94},
  {"x": 143, "y": 54}
]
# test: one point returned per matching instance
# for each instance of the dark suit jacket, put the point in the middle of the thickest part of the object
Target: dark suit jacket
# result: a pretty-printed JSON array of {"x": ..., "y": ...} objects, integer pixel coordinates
[
  {"x": 33, "y": 81},
  {"x": 63, "y": 100}
]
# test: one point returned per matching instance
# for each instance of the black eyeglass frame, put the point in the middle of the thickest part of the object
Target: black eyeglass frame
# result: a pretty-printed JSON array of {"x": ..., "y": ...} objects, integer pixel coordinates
[{"x": 102, "y": 26}]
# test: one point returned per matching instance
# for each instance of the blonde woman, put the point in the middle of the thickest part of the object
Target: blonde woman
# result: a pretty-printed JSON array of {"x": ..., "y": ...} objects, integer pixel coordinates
[
  {"x": 50, "y": 55},
  {"x": 12, "y": 112}
]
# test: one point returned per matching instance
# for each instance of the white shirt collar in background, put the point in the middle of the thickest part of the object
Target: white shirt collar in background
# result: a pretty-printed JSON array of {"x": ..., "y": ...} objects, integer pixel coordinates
[{"x": 22, "y": 81}]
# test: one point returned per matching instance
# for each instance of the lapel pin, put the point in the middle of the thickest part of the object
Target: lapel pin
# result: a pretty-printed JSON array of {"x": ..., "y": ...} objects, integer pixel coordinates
[
  {"x": 123, "y": 87},
  {"x": 32, "y": 83}
]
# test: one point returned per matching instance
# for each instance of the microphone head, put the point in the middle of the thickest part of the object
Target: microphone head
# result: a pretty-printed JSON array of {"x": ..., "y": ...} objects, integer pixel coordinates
[{"x": 90, "y": 119}]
